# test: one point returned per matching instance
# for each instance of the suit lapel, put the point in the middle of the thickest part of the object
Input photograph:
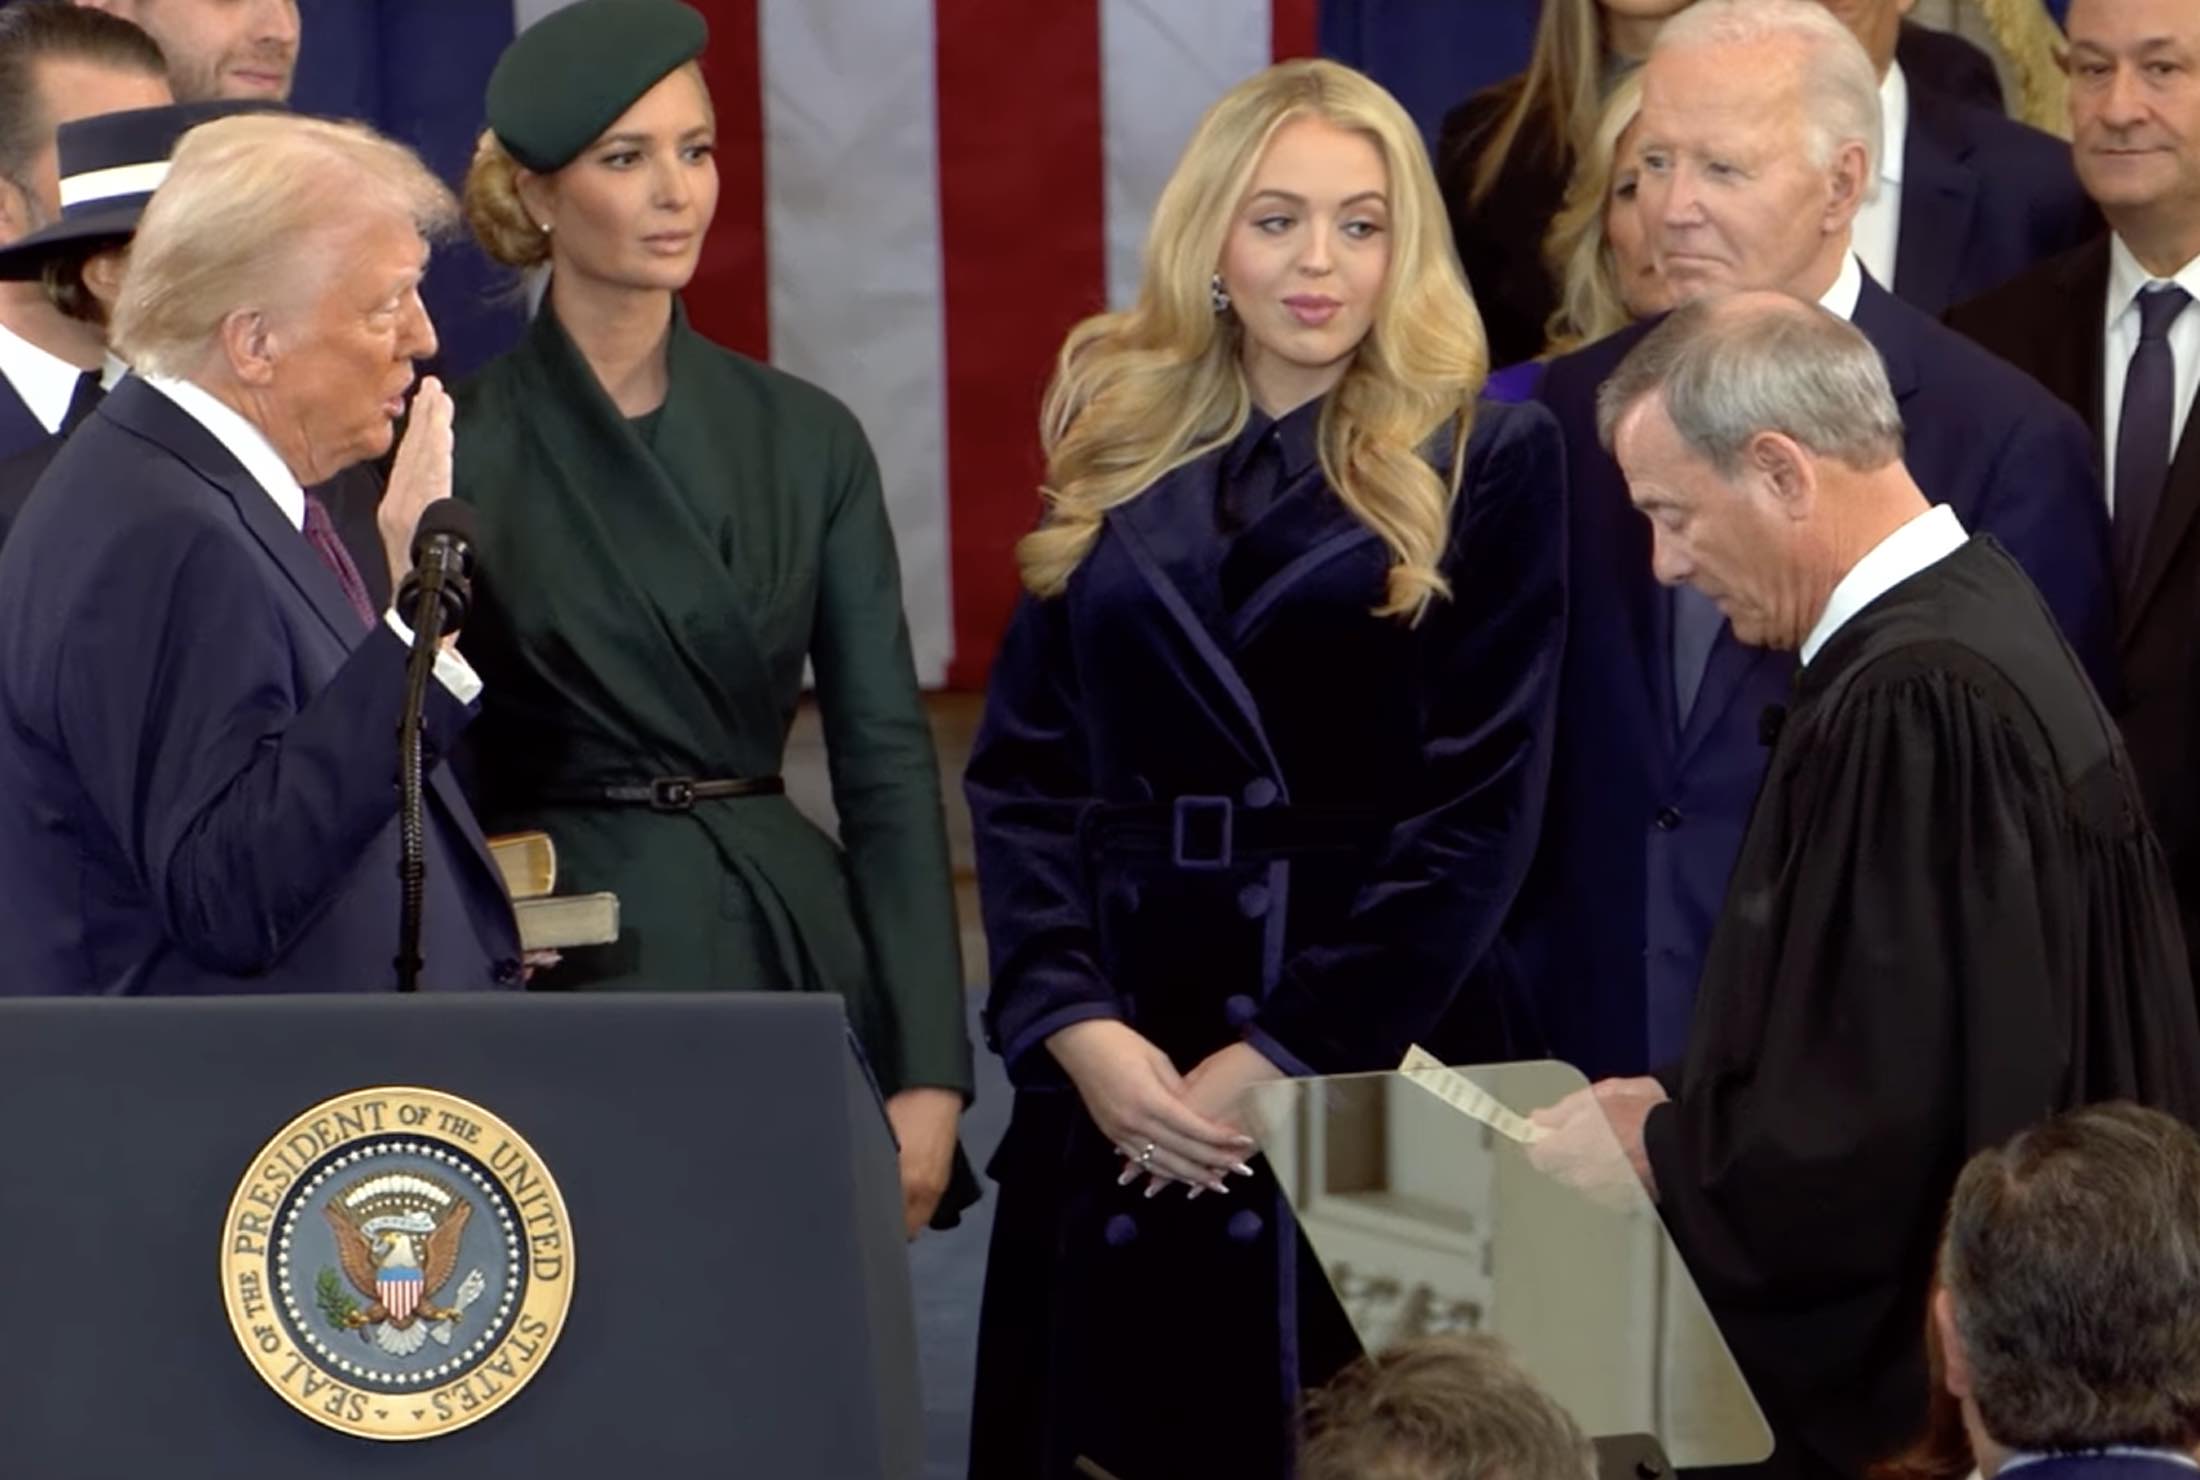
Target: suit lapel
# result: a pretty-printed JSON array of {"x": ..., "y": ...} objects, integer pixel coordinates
[
  {"x": 140, "y": 409},
  {"x": 2172, "y": 524},
  {"x": 1939, "y": 197},
  {"x": 1168, "y": 534}
]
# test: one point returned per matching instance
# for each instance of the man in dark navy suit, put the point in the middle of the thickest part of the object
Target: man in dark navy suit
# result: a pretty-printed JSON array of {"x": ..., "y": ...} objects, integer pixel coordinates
[
  {"x": 198, "y": 701},
  {"x": 1759, "y": 133},
  {"x": 57, "y": 63},
  {"x": 2111, "y": 328},
  {"x": 2066, "y": 1318},
  {"x": 1968, "y": 197}
]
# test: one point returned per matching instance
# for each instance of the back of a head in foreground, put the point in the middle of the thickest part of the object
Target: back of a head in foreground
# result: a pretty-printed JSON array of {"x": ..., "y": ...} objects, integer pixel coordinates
[
  {"x": 2072, "y": 1261},
  {"x": 255, "y": 214},
  {"x": 1440, "y": 1408}
]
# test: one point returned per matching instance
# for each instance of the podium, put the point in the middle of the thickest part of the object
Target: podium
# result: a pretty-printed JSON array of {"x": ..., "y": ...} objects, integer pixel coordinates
[
  {"x": 727, "y": 1266},
  {"x": 1434, "y": 1206}
]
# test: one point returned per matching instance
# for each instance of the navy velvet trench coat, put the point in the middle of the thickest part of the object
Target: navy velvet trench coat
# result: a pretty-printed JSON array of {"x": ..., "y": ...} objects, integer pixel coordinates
[{"x": 1278, "y": 817}]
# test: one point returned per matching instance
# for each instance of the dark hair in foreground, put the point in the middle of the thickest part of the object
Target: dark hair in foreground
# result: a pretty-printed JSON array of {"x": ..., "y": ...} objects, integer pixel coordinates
[
  {"x": 1731, "y": 369},
  {"x": 1440, "y": 1408},
  {"x": 34, "y": 31},
  {"x": 2073, "y": 1259}
]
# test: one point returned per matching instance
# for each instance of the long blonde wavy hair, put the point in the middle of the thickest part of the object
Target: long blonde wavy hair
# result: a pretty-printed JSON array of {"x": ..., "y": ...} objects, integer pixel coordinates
[
  {"x": 1576, "y": 248},
  {"x": 1142, "y": 391},
  {"x": 1559, "y": 95}
]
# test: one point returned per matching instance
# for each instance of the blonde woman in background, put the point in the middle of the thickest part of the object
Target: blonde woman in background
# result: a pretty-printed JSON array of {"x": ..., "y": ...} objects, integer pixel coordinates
[
  {"x": 1598, "y": 249},
  {"x": 1504, "y": 157},
  {"x": 1260, "y": 771}
]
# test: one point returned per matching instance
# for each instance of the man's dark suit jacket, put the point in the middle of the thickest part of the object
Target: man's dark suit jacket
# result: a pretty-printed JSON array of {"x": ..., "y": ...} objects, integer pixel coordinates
[
  {"x": 352, "y": 496},
  {"x": 2048, "y": 323},
  {"x": 1646, "y": 814},
  {"x": 198, "y": 743},
  {"x": 1984, "y": 198}
]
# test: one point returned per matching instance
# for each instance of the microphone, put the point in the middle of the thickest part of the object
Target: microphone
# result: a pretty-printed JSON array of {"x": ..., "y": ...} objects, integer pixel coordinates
[
  {"x": 443, "y": 562},
  {"x": 433, "y": 597}
]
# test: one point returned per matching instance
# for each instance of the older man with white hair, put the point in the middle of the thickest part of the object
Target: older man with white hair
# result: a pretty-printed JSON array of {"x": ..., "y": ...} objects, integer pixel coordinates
[
  {"x": 198, "y": 701},
  {"x": 1948, "y": 917},
  {"x": 1759, "y": 135}
]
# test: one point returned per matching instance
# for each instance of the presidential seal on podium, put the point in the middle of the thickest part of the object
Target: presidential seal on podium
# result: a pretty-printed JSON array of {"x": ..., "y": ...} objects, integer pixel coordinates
[{"x": 397, "y": 1263}]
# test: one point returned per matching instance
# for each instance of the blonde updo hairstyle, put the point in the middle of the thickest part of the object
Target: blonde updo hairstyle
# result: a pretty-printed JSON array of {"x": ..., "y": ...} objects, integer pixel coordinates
[
  {"x": 1139, "y": 392},
  {"x": 495, "y": 214},
  {"x": 496, "y": 211}
]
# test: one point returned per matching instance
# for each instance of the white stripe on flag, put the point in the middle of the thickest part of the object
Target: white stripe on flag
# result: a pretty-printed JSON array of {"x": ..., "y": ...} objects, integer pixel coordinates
[
  {"x": 852, "y": 216},
  {"x": 1164, "y": 62}
]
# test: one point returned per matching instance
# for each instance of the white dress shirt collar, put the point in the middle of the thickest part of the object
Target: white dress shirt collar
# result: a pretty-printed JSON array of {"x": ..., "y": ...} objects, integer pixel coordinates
[
  {"x": 1878, "y": 229},
  {"x": 2127, "y": 280},
  {"x": 1926, "y": 540},
  {"x": 244, "y": 441},
  {"x": 1841, "y": 299},
  {"x": 2112, "y": 1451},
  {"x": 45, "y": 382},
  {"x": 1894, "y": 124}
]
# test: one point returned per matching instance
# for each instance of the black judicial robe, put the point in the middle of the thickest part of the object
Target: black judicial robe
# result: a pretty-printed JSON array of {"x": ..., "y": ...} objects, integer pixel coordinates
[
  {"x": 1949, "y": 919},
  {"x": 1216, "y": 797}
]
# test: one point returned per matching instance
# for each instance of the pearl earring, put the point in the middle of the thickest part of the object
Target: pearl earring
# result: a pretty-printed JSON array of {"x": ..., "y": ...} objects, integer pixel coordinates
[{"x": 1218, "y": 297}]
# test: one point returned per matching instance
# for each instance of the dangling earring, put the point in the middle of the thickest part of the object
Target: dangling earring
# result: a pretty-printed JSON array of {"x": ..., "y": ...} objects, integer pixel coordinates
[{"x": 1218, "y": 297}]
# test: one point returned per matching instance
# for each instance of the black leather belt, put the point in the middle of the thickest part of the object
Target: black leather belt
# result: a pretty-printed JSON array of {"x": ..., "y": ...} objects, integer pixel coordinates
[
  {"x": 667, "y": 793},
  {"x": 1217, "y": 832}
]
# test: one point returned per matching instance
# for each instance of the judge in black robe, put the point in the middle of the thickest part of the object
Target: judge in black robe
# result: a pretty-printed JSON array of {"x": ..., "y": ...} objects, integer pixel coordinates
[{"x": 1949, "y": 918}]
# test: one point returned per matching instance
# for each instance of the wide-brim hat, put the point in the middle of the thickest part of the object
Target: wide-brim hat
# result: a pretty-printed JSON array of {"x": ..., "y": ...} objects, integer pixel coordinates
[{"x": 111, "y": 163}]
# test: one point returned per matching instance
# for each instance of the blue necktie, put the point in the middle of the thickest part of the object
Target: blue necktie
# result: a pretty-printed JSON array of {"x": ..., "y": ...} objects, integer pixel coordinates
[
  {"x": 2143, "y": 433},
  {"x": 1696, "y": 623}
]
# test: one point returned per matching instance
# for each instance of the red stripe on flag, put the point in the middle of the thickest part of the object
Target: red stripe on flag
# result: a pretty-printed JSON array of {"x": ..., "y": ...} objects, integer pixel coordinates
[
  {"x": 730, "y": 298},
  {"x": 1023, "y": 208},
  {"x": 1291, "y": 29}
]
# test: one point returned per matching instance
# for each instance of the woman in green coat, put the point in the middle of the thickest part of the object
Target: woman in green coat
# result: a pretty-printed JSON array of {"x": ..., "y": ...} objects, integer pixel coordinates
[{"x": 669, "y": 532}]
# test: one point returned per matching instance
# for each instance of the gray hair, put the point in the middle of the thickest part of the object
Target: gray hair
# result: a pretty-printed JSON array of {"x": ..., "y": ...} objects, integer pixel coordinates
[
  {"x": 1839, "y": 87},
  {"x": 1731, "y": 369},
  {"x": 248, "y": 218},
  {"x": 1441, "y": 1408},
  {"x": 2072, "y": 1258}
]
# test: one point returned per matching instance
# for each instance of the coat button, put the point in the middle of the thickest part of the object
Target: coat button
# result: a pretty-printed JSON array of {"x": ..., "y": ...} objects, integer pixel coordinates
[
  {"x": 1244, "y": 1225},
  {"x": 1240, "y": 1010},
  {"x": 1143, "y": 788},
  {"x": 1667, "y": 819},
  {"x": 1261, "y": 792},
  {"x": 1120, "y": 1230},
  {"x": 1253, "y": 901}
]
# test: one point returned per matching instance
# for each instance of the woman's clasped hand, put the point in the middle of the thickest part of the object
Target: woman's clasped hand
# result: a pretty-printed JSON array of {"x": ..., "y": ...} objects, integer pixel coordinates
[{"x": 1167, "y": 1127}]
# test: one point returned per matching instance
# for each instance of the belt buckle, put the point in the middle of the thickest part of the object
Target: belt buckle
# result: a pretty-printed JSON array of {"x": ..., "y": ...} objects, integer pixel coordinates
[
  {"x": 672, "y": 794},
  {"x": 1217, "y": 813}
]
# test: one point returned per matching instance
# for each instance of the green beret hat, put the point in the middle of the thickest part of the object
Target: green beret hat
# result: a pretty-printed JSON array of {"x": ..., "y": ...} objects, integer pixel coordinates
[{"x": 568, "y": 77}]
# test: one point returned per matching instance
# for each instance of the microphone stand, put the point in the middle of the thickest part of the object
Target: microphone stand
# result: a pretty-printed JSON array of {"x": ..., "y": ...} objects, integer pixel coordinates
[{"x": 412, "y": 859}]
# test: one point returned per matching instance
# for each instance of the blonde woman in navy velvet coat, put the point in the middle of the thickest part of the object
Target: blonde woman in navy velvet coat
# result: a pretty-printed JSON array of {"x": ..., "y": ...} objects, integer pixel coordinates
[{"x": 1259, "y": 775}]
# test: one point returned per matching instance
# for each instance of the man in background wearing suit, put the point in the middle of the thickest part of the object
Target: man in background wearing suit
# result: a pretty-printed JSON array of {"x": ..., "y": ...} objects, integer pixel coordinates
[
  {"x": 2111, "y": 329},
  {"x": 1968, "y": 197},
  {"x": 219, "y": 48},
  {"x": 198, "y": 702},
  {"x": 57, "y": 63},
  {"x": 1758, "y": 138}
]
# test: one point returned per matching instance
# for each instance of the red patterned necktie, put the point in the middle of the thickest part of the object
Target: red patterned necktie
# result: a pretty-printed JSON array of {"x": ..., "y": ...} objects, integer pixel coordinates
[{"x": 321, "y": 534}]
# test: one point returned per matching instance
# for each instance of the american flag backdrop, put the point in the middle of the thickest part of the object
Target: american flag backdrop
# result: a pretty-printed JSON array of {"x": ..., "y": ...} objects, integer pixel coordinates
[{"x": 918, "y": 198}]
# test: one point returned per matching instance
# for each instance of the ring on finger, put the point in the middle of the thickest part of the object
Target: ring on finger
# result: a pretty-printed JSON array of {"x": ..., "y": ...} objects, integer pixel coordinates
[{"x": 1145, "y": 1154}]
